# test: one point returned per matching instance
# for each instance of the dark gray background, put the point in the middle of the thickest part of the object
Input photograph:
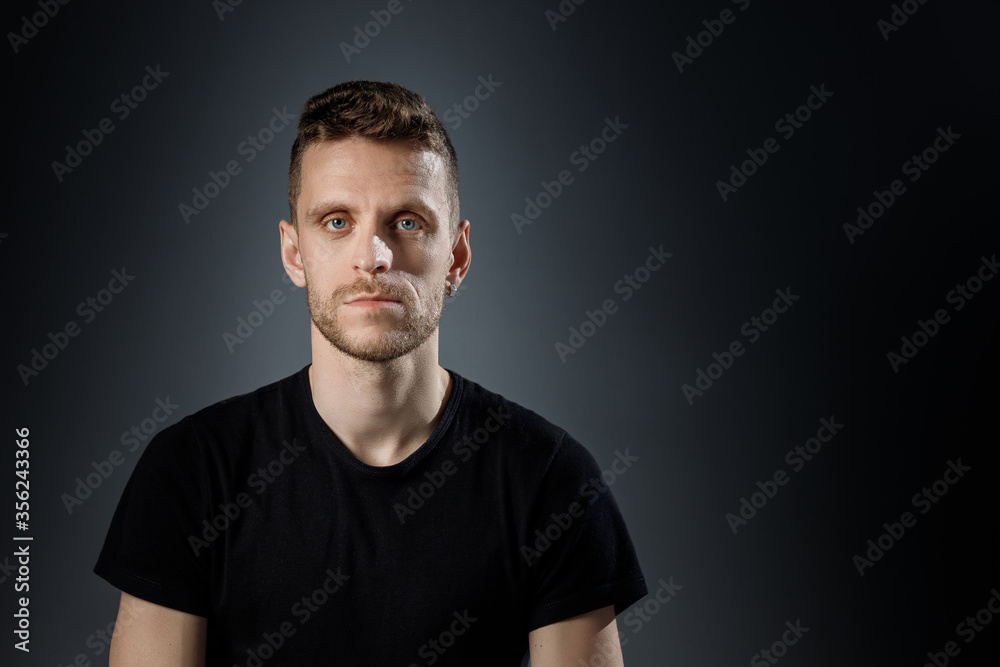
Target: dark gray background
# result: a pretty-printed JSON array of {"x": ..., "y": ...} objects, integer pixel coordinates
[{"x": 162, "y": 336}]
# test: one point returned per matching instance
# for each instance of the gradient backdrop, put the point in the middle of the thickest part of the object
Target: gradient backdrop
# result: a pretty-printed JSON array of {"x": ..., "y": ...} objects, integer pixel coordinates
[{"x": 692, "y": 93}]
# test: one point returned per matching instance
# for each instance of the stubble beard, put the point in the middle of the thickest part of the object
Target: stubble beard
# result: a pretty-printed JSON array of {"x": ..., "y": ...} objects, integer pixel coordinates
[{"x": 415, "y": 329}]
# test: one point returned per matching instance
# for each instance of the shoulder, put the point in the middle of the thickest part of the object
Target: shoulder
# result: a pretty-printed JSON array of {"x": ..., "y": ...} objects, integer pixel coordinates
[
  {"x": 261, "y": 402},
  {"x": 525, "y": 434},
  {"x": 236, "y": 419}
]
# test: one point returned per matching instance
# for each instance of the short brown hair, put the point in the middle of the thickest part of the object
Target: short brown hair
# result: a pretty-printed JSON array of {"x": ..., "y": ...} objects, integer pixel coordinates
[{"x": 376, "y": 110}]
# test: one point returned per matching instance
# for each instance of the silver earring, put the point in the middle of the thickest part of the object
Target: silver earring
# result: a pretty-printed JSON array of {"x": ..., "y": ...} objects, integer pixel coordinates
[{"x": 450, "y": 288}]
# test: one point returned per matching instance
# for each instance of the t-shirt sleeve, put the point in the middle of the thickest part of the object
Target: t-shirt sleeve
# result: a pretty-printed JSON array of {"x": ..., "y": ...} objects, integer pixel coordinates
[
  {"x": 579, "y": 552},
  {"x": 154, "y": 549}
]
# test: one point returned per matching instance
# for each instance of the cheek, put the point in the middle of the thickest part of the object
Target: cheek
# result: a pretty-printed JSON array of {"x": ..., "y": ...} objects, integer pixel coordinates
[
  {"x": 417, "y": 267},
  {"x": 318, "y": 253},
  {"x": 436, "y": 263},
  {"x": 320, "y": 262}
]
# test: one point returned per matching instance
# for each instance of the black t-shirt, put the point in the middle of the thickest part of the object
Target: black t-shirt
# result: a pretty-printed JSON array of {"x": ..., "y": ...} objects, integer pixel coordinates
[{"x": 253, "y": 514}]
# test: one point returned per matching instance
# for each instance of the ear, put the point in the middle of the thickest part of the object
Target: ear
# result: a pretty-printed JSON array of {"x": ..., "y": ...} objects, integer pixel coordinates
[
  {"x": 461, "y": 254},
  {"x": 291, "y": 257}
]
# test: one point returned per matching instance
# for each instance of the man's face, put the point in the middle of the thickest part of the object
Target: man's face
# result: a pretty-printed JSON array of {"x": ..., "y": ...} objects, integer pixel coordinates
[{"x": 373, "y": 223}]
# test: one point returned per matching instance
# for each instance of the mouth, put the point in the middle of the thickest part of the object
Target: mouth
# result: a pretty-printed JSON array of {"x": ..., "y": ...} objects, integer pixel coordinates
[{"x": 371, "y": 299}]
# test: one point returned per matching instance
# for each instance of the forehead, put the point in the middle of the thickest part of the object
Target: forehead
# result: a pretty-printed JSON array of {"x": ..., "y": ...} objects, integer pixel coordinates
[{"x": 371, "y": 173}]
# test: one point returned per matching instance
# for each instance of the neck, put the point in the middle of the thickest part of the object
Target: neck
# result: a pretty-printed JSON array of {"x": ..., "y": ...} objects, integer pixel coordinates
[{"x": 381, "y": 411}]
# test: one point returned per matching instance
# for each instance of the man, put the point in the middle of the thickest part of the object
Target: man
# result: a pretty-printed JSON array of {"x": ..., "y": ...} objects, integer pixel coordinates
[{"x": 373, "y": 508}]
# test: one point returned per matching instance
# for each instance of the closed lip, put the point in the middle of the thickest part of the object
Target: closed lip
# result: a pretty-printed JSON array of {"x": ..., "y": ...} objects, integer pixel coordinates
[{"x": 372, "y": 297}]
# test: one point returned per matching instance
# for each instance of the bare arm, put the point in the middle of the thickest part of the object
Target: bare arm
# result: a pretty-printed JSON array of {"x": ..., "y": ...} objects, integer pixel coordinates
[
  {"x": 588, "y": 639},
  {"x": 151, "y": 635}
]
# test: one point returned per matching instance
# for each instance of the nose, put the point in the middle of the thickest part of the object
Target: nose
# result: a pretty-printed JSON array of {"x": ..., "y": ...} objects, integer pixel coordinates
[{"x": 372, "y": 255}]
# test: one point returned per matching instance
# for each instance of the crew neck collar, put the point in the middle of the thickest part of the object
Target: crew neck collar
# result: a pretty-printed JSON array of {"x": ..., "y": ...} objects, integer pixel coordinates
[{"x": 329, "y": 439}]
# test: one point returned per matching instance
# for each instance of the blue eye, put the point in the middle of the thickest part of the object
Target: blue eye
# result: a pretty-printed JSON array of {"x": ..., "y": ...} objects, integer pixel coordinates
[
  {"x": 336, "y": 223},
  {"x": 407, "y": 224}
]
